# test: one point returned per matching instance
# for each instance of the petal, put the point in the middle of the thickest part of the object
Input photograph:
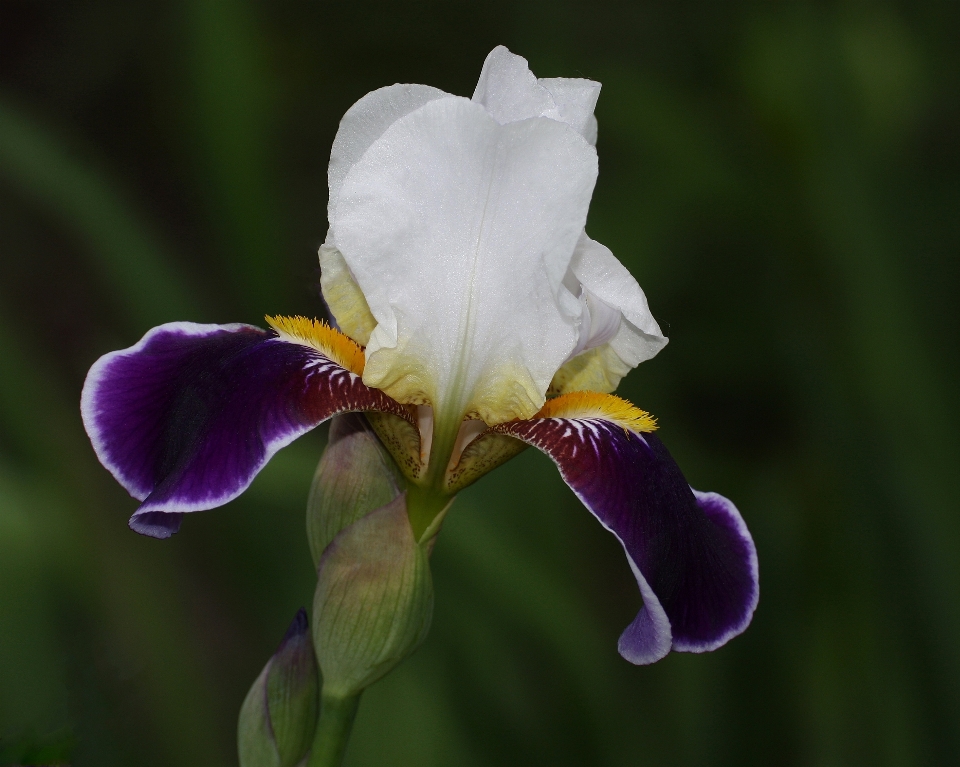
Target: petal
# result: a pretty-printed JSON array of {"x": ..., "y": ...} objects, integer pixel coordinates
[
  {"x": 459, "y": 232},
  {"x": 599, "y": 323},
  {"x": 366, "y": 121},
  {"x": 606, "y": 284},
  {"x": 509, "y": 91},
  {"x": 600, "y": 273},
  {"x": 691, "y": 552},
  {"x": 575, "y": 100},
  {"x": 344, "y": 297},
  {"x": 483, "y": 454},
  {"x": 600, "y": 370},
  {"x": 187, "y": 417}
]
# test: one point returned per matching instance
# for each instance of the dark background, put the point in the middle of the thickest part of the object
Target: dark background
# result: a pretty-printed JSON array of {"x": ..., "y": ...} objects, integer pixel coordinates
[{"x": 782, "y": 178}]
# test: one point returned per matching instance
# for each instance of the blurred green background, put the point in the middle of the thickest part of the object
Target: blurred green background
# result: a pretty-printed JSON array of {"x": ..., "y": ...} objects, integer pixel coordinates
[{"x": 784, "y": 181}]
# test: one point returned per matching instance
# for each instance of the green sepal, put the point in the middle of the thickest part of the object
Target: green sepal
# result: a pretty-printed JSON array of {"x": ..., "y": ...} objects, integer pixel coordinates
[
  {"x": 355, "y": 476},
  {"x": 279, "y": 715},
  {"x": 374, "y": 600}
]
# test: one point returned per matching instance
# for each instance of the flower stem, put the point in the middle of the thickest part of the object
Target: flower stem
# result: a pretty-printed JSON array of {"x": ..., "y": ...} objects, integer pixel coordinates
[
  {"x": 426, "y": 498},
  {"x": 333, "y": 730}
]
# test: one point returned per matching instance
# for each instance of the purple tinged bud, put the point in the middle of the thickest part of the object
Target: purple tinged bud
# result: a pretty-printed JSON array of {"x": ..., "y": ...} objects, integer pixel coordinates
[{"x": 279, "y": 714}]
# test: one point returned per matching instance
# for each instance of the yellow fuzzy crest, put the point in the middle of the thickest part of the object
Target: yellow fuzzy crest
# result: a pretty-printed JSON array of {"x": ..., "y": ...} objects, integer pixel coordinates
[
  {"x": 591, "y": 404},
  {"x": 331, "y": 343}
]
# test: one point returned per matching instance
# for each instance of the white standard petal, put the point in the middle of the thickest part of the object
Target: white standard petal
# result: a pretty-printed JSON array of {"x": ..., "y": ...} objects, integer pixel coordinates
[
  {"x": 366, "y": 121},
  {"x": 459, "y": 232},
  {"x": 599, "y": 272},
  {"x": 599, "y": 323},
  {"x": 616, "y": 330},
  {"x": 509, "y": 91},
  {"x": 575, "y": 100}
]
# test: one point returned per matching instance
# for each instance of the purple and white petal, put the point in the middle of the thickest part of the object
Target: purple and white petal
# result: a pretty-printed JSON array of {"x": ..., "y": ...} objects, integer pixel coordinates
[
  {"x": 691, "y": 552},
  {"x": 187, "y": 417}
]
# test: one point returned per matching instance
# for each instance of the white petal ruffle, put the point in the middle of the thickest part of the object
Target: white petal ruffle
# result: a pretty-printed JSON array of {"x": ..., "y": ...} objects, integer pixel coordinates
[
  {"x": 509, "y": 91},
  {"x": 599, "y": 272},
  {"x": 617, "y": 331}
]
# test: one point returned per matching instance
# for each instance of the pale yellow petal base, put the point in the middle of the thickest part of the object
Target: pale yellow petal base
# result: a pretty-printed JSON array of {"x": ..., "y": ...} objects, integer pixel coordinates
[
  {"x": 599, "y": 370},
  {"x": 504, "y": 393},
  {"x": 344, "y": 297}
]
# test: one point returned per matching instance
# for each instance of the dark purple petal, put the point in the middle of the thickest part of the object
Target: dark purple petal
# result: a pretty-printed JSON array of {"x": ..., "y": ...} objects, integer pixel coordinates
[
  {"x": 156, "y": 524},
  {"x": 187, "y": 417},
  {"x": 691, "y": 553}
]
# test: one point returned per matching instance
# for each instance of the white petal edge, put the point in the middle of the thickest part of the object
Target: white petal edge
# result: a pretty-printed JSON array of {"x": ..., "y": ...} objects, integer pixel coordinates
[
  {"x": 509, "y": 91},
  {"x": 652, "y": 620},
  {"x": 598, "y": 271},
  {"x": 575, "y": 100},
  {"x": 366, "y": 121}
]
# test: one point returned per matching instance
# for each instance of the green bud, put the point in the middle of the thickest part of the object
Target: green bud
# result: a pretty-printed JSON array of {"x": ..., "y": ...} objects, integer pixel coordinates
[
  {"x": 374, "y": 600},
  {"x": 279, "y": 714},
  {"x": 355, "y": 476}
]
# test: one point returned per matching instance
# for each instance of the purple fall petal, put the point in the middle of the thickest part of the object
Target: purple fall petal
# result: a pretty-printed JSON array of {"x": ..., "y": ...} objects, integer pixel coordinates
[
  {"x": 187, "y": 417},
  {"x": 156, "y": 524},
  {"x": 691, "y": 552}
]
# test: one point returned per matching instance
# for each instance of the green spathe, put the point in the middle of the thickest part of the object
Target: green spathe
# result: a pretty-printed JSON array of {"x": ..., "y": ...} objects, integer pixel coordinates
[
  {"x": 355, "y": 476},
  {"x": 279, "y": 714},
  {"x": 374, "y": 600}
]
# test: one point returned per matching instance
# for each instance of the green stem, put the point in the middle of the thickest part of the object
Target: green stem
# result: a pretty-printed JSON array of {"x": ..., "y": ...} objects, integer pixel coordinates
[
  {"x": 424, "y": 504},
  {"x": 333, "y": 730},
  {"x": 427, "y": 499}
]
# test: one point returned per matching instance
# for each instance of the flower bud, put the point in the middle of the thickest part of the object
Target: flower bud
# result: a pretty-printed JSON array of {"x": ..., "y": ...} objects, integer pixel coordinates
[
  {"x": 355, "y": 476},
  {"x": 279, "y": 714},
  {"x": 374, "y": 600}
]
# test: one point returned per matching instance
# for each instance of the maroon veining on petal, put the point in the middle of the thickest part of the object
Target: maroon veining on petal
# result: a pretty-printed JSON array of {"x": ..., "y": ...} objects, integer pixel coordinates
[
  {"x": 187, "y": 417},
  {"x": 691, "y": 552}
]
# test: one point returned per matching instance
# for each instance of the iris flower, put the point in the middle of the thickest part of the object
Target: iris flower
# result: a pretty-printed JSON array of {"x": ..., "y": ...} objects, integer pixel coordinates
[{"x": 474, "y": 317}]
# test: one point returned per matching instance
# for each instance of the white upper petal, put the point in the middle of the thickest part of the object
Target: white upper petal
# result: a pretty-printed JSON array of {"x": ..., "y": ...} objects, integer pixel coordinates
[
  {"x": 575, "y": 100},
  {"x": 599, "y": 323},
  {"x": 366, "y": 121},
  {"x": 459, "y": 231},
  {"x": 509, "y": 91},
  {"x": 606, "y": 280}
]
